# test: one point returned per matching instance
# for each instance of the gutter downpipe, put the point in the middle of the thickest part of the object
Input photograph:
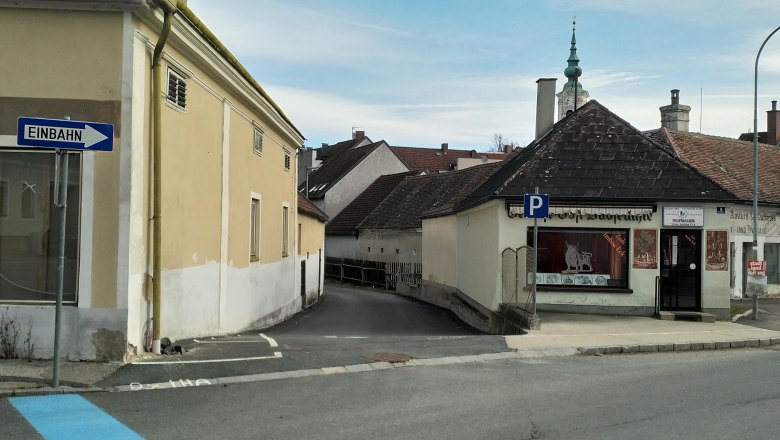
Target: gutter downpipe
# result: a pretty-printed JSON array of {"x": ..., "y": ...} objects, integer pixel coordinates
[{"x": 168, "y": 10}]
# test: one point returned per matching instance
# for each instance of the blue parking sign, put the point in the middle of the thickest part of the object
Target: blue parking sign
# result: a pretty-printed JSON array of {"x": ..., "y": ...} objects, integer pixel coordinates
[{"x": 536, "y": 205}]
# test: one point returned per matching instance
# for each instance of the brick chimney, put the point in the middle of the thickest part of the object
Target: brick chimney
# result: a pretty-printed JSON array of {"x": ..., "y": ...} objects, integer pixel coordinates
[
  {"x": 359, "y": 134},
  {"x": 507, "y": 148},
  {"x": 675, "y": 116},
  {"x": 444, "y": 147},
  {"x": 773, "y": 125}
]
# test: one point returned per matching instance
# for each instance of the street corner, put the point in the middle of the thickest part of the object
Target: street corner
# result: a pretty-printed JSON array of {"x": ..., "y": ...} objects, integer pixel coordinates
[{"x": 225, "y": 348}]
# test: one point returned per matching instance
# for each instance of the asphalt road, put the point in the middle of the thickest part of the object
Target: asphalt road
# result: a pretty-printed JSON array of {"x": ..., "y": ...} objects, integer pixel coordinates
[
  {"x": 693, "y": 395},
  {"x": 346, "y": 327},
  {"x": 768, "y": 313}
]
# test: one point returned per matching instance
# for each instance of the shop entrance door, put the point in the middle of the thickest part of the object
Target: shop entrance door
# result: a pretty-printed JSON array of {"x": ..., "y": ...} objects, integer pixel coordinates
[{"x": 680, "y": 270}]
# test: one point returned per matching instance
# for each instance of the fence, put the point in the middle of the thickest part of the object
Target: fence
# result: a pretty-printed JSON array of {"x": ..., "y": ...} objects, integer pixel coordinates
[
  {"x": 516, "y": 266},
  {"x": 373, "y": 273}
]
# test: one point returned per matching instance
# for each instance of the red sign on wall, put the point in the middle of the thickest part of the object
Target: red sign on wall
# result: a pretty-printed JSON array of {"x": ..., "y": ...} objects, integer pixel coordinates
[{"x": 757, "y": 267}]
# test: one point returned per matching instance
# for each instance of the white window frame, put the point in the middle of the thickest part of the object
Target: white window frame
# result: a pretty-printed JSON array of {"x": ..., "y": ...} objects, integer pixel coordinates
[
  {"x": 257, "y": 140},
  {"x": 172, "y": 101},
  {"x": 285, "y": 230},
  {"x": 255, "y": 216}
]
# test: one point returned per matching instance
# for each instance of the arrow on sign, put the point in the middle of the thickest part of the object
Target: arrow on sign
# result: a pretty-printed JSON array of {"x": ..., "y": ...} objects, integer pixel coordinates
[
  {"x": 64, "y": 134},
  {"x": 87, "y": 136}
]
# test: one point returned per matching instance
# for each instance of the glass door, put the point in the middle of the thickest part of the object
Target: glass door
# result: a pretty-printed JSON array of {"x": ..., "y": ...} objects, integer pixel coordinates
[{"x": 680, "y": 270}]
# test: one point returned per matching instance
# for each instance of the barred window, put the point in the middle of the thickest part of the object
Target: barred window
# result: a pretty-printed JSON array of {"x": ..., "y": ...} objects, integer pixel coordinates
[{"x": 257, "y": 144}]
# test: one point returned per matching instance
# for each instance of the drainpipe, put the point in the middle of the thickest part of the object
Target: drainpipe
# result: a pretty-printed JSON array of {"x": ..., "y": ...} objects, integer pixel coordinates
[{"x": 169, "y": 8}]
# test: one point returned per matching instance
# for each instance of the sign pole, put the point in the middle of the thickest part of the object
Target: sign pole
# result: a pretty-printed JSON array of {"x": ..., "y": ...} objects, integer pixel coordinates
[
  {"x": 536, "y": 246},
  {"x": 60, "y": 201}
]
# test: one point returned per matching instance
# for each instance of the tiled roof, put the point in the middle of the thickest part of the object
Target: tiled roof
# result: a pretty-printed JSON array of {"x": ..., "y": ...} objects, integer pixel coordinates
[
  {"x": 336, "y": 167},
  {"x": 595, "y": 156},
  {"x": 729, "y": 162},
  {"x": 346, "y": 222},
  {"x": 329, "y": 151},
  {"x": 435, "y": 160},
  {"x": 306, "y": 207},
  {"x": 404, "y": 207}
]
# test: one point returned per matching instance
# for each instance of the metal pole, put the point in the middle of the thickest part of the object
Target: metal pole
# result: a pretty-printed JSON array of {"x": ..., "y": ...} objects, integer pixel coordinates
[
  {"x": 755, "y": 307},
  {"x": 755, "y": 141},
  {"x": 60, "y": 201},
  {"x": 536, "y": 246}
]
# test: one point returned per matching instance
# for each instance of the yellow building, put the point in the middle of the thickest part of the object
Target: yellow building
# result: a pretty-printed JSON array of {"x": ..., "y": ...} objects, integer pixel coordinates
[{"x": 228, "y": 212}]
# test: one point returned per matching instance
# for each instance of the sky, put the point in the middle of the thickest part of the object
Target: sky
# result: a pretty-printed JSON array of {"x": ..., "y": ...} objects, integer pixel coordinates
[{"x": 423, "y": 72}]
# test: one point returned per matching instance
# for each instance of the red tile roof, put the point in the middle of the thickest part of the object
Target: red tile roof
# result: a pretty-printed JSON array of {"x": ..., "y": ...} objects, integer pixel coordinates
[
  {"x": 306, "y": 207},
  {"x": 728, "y": 162},
  {"x": 435, "y": 160}
]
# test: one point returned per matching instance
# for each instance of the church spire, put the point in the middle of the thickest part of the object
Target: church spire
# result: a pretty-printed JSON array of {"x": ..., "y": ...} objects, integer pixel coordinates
[
  {"x": 573, "y": 71},
  {"x": 573, "y": 96}
]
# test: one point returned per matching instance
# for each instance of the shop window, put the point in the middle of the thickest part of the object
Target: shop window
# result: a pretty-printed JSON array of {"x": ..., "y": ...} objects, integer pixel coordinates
[
  {"x": 29, "y": 228},
  {"x": 582, "y": 257}
]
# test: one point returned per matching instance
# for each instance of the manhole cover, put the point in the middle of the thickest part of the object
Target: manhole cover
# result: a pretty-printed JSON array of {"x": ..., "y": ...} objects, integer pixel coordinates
[{"x": 389, "y": 357}]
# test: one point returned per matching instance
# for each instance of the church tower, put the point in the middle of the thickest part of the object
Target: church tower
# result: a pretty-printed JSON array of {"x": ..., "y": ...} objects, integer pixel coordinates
[{"x": 572, "y": 93}]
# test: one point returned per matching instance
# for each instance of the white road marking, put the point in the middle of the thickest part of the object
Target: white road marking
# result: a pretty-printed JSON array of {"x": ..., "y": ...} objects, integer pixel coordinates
[
  {"x": 226, "y": 342},
  {"x": 346, "y": 337},
  {"x": 277, "y": 355},
  {"x": 271, "y": 341}
]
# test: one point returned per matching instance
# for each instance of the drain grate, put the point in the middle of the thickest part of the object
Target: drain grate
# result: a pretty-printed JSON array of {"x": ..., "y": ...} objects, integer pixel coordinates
[{"x": 389, "y": 357}]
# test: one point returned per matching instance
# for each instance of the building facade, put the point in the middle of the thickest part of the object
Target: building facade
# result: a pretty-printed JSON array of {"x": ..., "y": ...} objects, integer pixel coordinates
[{"x": 227, "y": 182}]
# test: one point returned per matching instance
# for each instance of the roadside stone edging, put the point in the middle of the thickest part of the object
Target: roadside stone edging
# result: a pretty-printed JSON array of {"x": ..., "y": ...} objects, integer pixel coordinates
[{"x": 678, "y": 346}]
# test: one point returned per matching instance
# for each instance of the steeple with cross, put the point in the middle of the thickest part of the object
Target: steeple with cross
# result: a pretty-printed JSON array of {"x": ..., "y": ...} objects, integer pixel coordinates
[{"x": 573, "y": 96}]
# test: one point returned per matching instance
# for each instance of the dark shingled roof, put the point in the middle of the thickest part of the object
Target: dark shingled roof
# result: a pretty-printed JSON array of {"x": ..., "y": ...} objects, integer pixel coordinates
[
  {"x": 595, "y": 156},
  {"x": 405, "y": 206},
  {"x": 347, "y": 221},
  {"x": 749, "y": 137},
  {"x": 435, "y": 160},
  {"x": 729, "y": 162},
  {"x": 306, "y": 207},
  {"x": 329, "y": 151},
  {"x": 336, "y": 167}
]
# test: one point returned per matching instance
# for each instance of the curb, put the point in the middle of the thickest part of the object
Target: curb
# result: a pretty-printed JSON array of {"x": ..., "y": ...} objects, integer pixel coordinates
[
  {"x": 677, "y": 346},
  {"x": 736, "y": 318},
  {"x": 45, "y": 391}
]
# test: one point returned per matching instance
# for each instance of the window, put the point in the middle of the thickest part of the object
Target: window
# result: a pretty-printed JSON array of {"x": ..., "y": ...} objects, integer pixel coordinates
[
  {"x": 300, "y": 248},
  {"x": 287, "y": 161},
  {"x": 285, "y": 231},
  {"x": 177, "y": 90},
  {"x": 772, "y": 258},
  {"x": 29, "y": 191},
  {"x": 582, "y": 257},
  {"x": 254, "y": 230},
  {"x": 257, "y": 143},
  {"x": 29, "y": 228}
]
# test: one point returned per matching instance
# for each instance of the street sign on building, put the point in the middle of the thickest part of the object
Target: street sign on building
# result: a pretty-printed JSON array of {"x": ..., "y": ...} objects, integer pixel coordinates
[
  {"x": 64, "y": 134},
  {"x": 536, "y": 205}
]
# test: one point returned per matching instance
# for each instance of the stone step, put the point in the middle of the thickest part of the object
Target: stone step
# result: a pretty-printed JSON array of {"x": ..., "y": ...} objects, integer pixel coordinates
[{"x": 686, "y": 316}]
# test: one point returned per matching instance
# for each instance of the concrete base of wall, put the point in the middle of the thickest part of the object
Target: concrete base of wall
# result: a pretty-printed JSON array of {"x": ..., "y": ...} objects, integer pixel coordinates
[
  {"x": 720, "y": 314},
  {"x": 597, "y": 310},
  {"x": 466, "y": 309}
]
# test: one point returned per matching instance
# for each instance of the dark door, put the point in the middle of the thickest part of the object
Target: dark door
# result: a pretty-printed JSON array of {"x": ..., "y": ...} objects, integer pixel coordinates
[
  {"x": 303, "y": 284},
  {"x": 680, "y": 269}
]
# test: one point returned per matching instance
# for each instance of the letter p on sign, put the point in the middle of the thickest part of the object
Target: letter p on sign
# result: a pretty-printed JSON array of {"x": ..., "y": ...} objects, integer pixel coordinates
[{"x": 536, "y": 205}]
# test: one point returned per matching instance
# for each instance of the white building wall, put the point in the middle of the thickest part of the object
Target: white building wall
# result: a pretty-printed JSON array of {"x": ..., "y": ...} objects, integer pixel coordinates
[
  {"x": 479, "y": 257},
  {"x": 440, "y": 250},
  {"x": 341, "y": 246},
  {"x": 380, "y": 162}
]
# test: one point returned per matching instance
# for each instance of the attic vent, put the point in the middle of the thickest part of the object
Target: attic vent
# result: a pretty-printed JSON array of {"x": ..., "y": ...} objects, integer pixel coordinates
[{"x": 177, "y": 89}]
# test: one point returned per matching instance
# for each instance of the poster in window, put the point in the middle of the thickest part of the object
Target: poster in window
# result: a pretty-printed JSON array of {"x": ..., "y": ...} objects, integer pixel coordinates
[
  {"x": 645, "y": 249},
  {"x": 717, "y": 250}
]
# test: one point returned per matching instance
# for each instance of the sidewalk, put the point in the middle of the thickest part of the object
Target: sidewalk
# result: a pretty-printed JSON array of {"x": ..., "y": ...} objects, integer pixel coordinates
[
  {"x": 598, "y": 334},
  {"x": 561, "y": 335}
]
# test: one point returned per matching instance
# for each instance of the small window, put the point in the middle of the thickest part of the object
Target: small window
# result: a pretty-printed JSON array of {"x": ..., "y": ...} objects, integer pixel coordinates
[
  {"x": 254, "y": 230},
  {"x": 287, "y": 161},
  {"x": 177, "y": 89},
  {"x": 257, "y": 143},
  {"x": 369, "y": 249},
  {"x": 300, "y": 247},
  {"x": 396, "y": 251},
  {"x": 381, "y": 250},
  {"x": 285, "y": 231}
]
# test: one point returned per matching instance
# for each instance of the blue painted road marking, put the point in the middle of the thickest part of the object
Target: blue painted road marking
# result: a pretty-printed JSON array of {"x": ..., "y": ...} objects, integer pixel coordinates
[{"x": 70, "y": 416}]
